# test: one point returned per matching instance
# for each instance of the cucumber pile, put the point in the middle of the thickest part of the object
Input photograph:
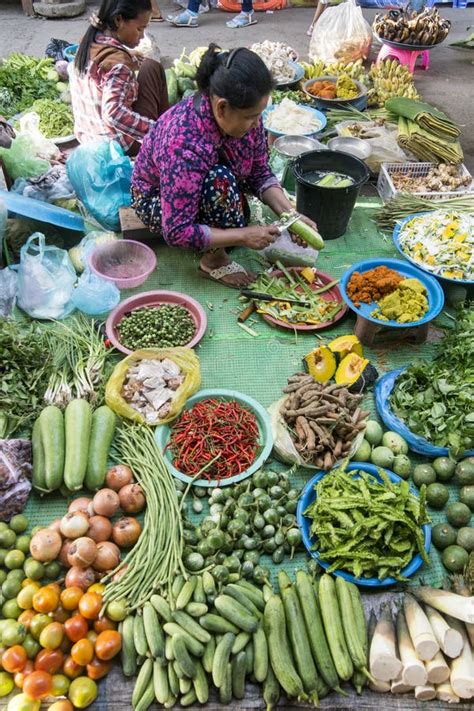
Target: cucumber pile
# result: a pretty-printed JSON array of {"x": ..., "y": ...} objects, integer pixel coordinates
[
  {"x": 205, "y": 634},
  {"x": 71, "y": 450}
]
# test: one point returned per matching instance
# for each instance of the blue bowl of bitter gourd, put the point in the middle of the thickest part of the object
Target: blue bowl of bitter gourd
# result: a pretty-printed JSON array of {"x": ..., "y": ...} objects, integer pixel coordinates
[{"x": 308, "y": 497}]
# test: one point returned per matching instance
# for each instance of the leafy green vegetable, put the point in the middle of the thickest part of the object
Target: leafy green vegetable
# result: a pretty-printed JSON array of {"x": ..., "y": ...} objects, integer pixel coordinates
[
  {"x": 365, "y": 527},
  {"x": 435, "y": 399},
  {"x": 26, "y": 79},
  {"x": 56, "y": 118}
]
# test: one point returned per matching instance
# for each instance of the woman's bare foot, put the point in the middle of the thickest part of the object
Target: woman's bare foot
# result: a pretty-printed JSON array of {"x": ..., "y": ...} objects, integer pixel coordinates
[
  {"x": 217, "y": 266},
  {"x": 156, "y": 15}
]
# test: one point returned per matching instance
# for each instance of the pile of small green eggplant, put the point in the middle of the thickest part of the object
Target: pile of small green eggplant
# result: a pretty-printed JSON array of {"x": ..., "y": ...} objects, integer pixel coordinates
[{"x": 303, "y": 641}]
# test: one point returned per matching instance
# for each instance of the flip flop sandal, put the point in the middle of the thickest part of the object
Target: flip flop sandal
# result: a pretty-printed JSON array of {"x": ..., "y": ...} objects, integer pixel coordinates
[
  {"x": 244, "y": 19},
  {"x": 184, "y": 19},
  {"x": 218, "y": 274},
  {"x": 157, "y": 19}
]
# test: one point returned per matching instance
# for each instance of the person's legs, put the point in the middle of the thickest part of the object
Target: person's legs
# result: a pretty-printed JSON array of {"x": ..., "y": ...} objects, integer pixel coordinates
[
  {"x": 245, "y": 18},
  {"x": 223, "y": 205},
  {"x": 148, "y": 209},
  {"x": 156, "y": 15},
  {"x": 188, "y": 18},
  {"x": 152, "y": 100}
]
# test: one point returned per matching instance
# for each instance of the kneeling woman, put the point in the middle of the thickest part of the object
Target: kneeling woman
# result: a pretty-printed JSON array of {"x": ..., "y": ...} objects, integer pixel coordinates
[
  {"x": 115, "y": 93},
  {"x": 202, "y": 156}
]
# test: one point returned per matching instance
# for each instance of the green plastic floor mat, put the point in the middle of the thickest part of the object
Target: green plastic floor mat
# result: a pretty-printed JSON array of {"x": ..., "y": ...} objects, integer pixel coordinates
[{"x": 259, "y": 366}]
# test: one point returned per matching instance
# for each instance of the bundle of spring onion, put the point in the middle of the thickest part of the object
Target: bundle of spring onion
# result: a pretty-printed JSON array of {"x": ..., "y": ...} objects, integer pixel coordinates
[
  {"x": 404, "y": 204},
  {"x": 303, "y": 287},
  {"x": 156, "y": 558}
]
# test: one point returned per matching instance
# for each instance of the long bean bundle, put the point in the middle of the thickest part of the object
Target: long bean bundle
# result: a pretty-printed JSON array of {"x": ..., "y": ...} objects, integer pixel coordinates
[
  {"x": 404, "y": 204},
  {"x": 155, "y": 559}
]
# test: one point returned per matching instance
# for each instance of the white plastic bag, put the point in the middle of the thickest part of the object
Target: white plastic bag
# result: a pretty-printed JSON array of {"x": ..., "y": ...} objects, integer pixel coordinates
[
  {"x": 341, "y": 35},
  {"x": 381, "y": 139},
  {"x": 46, "y": 280},
  {"x": 284, "y": 250},
  {"x": 43, "y": 147}
]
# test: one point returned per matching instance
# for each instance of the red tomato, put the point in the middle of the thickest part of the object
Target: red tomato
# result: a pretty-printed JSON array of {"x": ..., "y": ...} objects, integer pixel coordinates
[
  {"x": 70, "y": 598},
  {"x": 26, "y": 617},
  {"x": 83, "y": 652},
  {"x": 49, "y": 660},
  {"x": 38, "y": 685},
  {"x": 19, "y": 677},
  {"x": 71, "y": 669},
  {"x": 90, "y": 605},
  {"x": 14, "y": 659},
  {"x": 76, "y": 628},
  {"x": 98, "y": 668},
  {"x": 103, "y": 624},
  {"x": 60, "y": 614},
  {"x": 108, "y": 644},
  {"x": 52, "y": 635},
  {"x": 46, "y": 599}
]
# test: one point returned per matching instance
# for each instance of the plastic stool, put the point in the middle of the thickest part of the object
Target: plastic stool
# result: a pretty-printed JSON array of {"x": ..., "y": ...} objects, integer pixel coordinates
[{"x": 407, "y": 57}]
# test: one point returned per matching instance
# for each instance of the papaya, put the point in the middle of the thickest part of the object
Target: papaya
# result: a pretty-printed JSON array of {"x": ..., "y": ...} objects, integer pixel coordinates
[
  {"x": 355, "y": 372},
  {"x": 344, "y": 345},
  {"x": 172, "y": 86},
  {"x": 321, "y": 364}
]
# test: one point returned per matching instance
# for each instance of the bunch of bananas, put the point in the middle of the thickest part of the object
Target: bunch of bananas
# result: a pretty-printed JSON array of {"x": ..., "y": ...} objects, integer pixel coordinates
[
  {"x": 424, "y": 28},
  {"x": 389, "y": 79},
  {"x": 355, "y": 70}
]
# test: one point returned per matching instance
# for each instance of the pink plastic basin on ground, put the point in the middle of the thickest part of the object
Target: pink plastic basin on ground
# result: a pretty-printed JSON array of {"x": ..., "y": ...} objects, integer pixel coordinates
[
  {"x": 156, "y": 298},
  {"x": 125, "y": 262}
]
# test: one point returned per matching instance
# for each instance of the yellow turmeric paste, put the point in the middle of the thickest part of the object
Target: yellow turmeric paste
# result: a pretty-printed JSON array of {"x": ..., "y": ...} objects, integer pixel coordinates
[{"x": 408, "y": 303}]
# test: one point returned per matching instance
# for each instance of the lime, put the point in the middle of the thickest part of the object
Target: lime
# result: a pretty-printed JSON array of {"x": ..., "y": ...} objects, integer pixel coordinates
[
  {"x": 3, "y": 552},
  {"x": 35, "y": 529},
  {"x": 31, "y": 646},
  {"x": 10, "y": 610},
  {"x": 14, "y": 559},
  {"x": 19, "y": 523},
  {"x": 373, "y": 432},
  {"x": 465, "y": 538},
  {"x": 33, "y": 569},
  {"x": 454, "y": 559},
  {"x": 437, "y": 495},
  {"x": 464, "y": 473},
  {"x": 11, "y": 588},
  {"x": 402, "y": 466},
  {"x": 362, "y": 454},
  {"x": 16, "y": 574},
  {"x": 7, "y": 538},
  {"x": 458, "y": 514},
  {"x": 444, "y": 468},
  {"x": 423, "y": 474},
  {"x": 3, "y": 526},
  {"x": 443, "y": 535},
  {"x": 52, "y": 570},
  {"x": 3, "y": 577},
  {"x": 393, "y": 441},
  {"x": 23, "y": 544},
  {"x": 466, "y": 496},
  {"x": 13, "y": 633},
  {"x": 382, "y": 457},
  {"x": 6, "y": 683}
]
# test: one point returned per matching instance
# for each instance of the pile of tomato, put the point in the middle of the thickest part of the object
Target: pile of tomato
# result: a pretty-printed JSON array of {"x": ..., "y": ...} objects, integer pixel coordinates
[{"x": 59, "y": 645}]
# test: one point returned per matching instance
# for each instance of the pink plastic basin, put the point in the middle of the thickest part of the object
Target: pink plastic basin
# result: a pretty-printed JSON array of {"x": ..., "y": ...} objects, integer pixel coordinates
[
  {"x": 156, "y": 298},
  {"x": 125, "y": 262}
]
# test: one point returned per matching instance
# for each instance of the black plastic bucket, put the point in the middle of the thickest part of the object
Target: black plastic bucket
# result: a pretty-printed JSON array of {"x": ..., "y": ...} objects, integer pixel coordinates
[{"x": 330, "y": 208}]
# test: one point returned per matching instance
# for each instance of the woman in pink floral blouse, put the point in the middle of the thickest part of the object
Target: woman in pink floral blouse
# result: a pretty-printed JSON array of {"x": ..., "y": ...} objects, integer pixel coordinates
[{"x": 201, "y": 158}]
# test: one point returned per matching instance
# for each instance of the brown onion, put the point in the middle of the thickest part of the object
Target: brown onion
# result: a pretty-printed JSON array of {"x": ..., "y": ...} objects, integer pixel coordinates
[
  {"x": 82, "y": 553},
  {"x": 45, "y": 545},
  {"x": 55, "y": 525},
  {"x": 83, "y": 503},
  {"x": 107, "y": 558},
  {"x": 132, "y": 498},
  {"x": 63, "y": 553},
  {"x": 120, "y": 573},
  {"x": 106, "y": 502},
  {"x": 74, "y": 524},
  {"x": 80, "y": 577},
  {"x": 126, "y": 532},
  {"x": 100, "y": 528},
  {"x": 118, "y": 476}
]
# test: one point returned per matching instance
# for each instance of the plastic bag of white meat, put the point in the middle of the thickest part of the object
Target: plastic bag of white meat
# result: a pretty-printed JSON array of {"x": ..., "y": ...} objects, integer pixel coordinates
[{"x": 15, "y": 476}]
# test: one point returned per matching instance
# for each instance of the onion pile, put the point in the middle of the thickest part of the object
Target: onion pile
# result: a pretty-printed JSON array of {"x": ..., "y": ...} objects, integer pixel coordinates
[{"x": 85, "y": 540}]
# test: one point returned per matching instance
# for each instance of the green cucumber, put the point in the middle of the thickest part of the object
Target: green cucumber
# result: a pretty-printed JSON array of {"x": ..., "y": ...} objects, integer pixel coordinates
[
  {"x": 77, "y": 425},
  {"x": 305, "y": 232},
  {"x": 260, "y": 658},
  {"x": 186, "y": 593},
  {"x": 169, "y": 654},
  {"x": 183, "y": 657},
  {"x": 315, "y": 630},
  {"x": 271, "y": 690},
  {"x": 221, "y": 659},
  {"x": 143, "y": 681},
  {"x": 191, "y": 626},
  {"x": 173, "y": 680},
  {"x": 188, "y": 699},
  {"x": 102, "y": 434},
  {"x": 39, "y": 472},
  {"x": 201, "y": 686},
  {"x": 139, "y": 636},
  {"x": 162, "y": 607},
  {"x": 236, "y": 613},
  {"x": 185, "y": 685},
  {"x": 239, "y": 594},
  {"x": 250, "y": 655},
  {"x": 153, "y": 632},
  {"x": 351, "y": 631},
  {"x": 196, "y": 609},
  {"x": 239, "y": 668},
  {"x": 147, "y": 698},
  {"x": 225, "y": 689},
  {"x": 217, "y": 624},
  {"x": 129, "y": 654},
  {"x": 278, "y": 647},
  {"x": 52, "y": 438},
  {"x": 208, "y": 656},
  {"x": 199, "y": 596},
  {"x": 195, "y": 647},
  {"x": 172, "y": 86},
  {"x": 241, "y": 642},
  {"x": 160, "y": 682},
  {"x": 298, "y": 636},
  {"x": 331, "y": 615}
]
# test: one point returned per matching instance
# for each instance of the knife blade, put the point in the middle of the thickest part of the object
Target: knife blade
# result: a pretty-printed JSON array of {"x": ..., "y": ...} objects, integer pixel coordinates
[{"x": 260, "y": 296}]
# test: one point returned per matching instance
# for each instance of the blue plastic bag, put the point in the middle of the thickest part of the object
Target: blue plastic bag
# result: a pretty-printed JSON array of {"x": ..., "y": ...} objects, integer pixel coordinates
[
  {"x": 101, "y": 176},
  {"x": 95, "y": 296},
  {"x": 46, "y": 280}
]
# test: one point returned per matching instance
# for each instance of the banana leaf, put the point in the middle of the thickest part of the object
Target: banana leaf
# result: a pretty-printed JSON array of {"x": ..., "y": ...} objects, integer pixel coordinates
[
  {"x": 426, "y": 116},
  {"x": 426, "y": 145}
]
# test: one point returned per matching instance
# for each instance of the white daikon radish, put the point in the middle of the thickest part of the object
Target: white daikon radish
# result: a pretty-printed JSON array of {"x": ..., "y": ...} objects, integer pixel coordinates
[
  {"x": 444, "y": 692},
  {"x": 470, "y": 633},
  {"x": 383, "y": 660},
  {"x": 462, "y": 668},
  {"x": 448, "y": 638},
  {"x": 381, "y": 687},
  {"x": 438, "y": 670},
  {"x": 413, "y": 671},
  {"x": 425, "y": 693},
  {"x": 398, "y": 686},
  {"x": 458, "y": 606},
  {"x": 420, "y": 630}
]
